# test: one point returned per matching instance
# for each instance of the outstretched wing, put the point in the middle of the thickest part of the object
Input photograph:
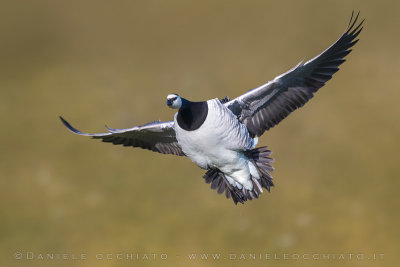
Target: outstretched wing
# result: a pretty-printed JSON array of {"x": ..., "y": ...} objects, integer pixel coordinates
[
  {"x": 156, "y": 136},
  {"x": 262, "y": 108}
]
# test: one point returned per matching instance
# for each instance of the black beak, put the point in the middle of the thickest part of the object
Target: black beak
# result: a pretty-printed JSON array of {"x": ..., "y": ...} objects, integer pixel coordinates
[{"x": 169, "y": 102}]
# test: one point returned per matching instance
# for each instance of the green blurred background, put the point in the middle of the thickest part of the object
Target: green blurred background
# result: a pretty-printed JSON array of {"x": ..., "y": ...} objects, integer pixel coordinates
[{"x": 114, "y": 62}]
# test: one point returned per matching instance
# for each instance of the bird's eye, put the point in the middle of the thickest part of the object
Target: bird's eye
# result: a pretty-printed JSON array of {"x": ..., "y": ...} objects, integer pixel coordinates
[{"x": 173, "y": 99}]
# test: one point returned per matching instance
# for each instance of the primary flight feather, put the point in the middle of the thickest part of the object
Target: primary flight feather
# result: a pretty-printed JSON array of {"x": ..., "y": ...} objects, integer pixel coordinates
[{"x": 220, "y": 136}]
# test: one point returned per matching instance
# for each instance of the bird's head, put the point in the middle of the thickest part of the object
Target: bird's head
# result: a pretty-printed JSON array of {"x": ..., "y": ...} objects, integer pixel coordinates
[{"x": 174, "y": 101}]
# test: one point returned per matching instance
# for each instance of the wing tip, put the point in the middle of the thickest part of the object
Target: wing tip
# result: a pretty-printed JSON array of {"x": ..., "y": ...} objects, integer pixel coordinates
[
  {"x": 352, "y": 22},
  {"x": 74, "y": 130},
  {"x": 69, "y": 126}
]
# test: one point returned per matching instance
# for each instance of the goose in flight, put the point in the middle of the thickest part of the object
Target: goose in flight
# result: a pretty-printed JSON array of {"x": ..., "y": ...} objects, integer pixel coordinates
[{"x": 220, "y": 136}]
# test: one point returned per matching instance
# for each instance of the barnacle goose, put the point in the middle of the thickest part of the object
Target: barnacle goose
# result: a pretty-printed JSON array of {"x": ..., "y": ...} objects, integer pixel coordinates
[{"x": 220, "y": 135}]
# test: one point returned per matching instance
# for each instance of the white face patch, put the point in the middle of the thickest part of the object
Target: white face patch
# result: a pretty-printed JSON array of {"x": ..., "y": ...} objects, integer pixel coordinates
[
  {"x": 174, "y": 101},
  {"x": 171, "y": 96}
]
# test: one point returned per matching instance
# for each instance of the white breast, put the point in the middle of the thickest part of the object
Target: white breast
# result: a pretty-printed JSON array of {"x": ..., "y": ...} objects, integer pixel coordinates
[{"x": 218, "y": 143}]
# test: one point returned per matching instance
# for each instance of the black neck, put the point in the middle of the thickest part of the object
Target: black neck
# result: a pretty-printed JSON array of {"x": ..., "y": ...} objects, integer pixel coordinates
[{"x": 191, "y": 115}]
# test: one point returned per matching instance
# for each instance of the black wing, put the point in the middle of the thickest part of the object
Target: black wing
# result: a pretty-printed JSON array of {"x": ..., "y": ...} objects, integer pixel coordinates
[
  {"x": 156, "y": 136},
  {"x": 262, "y": 108}
]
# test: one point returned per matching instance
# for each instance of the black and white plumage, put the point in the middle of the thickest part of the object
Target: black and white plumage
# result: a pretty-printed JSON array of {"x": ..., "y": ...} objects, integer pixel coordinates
[
  {"x": 156, "y": 136},
  {"x": 220, "y": 135}
]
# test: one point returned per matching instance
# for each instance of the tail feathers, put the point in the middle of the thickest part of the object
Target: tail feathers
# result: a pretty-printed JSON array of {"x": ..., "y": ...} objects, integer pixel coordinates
[
  {"x": 220, "y": 183},
  {"x": 260, "y": 158}
]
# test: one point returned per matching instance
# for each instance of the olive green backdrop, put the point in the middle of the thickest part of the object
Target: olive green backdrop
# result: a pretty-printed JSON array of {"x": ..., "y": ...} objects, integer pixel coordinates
[{"x": 114, "y": 62}]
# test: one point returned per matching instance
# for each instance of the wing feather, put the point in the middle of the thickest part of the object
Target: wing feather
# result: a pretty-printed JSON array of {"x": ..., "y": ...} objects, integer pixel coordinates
[
  {"x": 264, "y": 107},
  {"x": 155, "y": 136}
]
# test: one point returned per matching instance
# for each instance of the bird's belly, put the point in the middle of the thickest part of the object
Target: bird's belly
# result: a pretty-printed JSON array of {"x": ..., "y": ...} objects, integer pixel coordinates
[
  {"x": 207, "y": 150},
  {"x": 218, "y": 143}
]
